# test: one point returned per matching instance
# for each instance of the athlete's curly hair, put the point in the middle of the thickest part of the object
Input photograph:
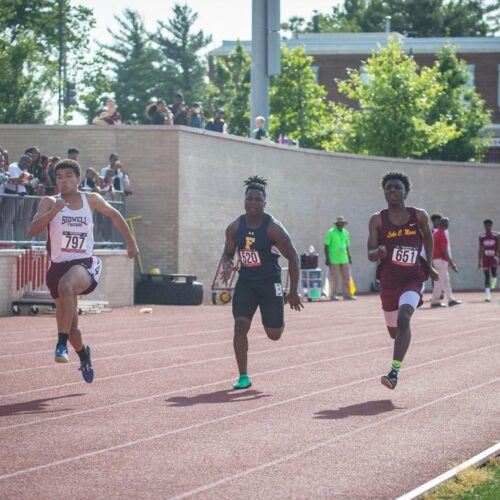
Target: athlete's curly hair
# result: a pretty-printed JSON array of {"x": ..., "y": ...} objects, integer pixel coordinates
[
  {"x": 255, "y": 182},
  {"x": 397, "y": 175}
]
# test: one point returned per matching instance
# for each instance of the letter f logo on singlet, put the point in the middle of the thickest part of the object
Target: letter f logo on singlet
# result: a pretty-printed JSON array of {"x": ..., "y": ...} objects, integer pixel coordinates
[{"x": 249, "y": 242}]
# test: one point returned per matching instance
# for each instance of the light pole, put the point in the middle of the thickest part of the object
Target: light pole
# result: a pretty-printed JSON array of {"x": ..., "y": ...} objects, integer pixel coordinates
[{"x": 266, "y": 56}]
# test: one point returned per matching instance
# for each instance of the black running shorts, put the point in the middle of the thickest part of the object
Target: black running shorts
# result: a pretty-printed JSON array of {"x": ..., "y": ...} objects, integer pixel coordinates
[{"x": 267, "y": 294}]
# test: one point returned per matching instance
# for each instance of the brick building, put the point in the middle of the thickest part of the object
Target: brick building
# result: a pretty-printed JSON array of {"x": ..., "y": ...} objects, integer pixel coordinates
[{"x": 334, "y": 53}]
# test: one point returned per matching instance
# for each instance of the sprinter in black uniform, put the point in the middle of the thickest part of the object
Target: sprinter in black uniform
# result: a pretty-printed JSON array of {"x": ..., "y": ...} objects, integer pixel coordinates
[{"x": 260, "y": 240}]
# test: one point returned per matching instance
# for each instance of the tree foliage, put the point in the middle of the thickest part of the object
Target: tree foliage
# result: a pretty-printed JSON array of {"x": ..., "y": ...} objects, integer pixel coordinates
[
  {"x": 180, "y": 46},
  {"x": 30, "y": 34},
  {"x": 134, "y": 67},
  {"x": 230, "y": 89},
  {"x": 298, "y": 103},
  {"x": 413, "y": 17},
  {"x": 397, "y": 104},
  {"x": 462, "y": 107}
]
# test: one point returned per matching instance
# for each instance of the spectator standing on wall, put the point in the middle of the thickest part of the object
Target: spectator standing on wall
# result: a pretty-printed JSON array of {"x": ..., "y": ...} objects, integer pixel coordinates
[
  {"x": 197, "y": 119},
  {"x": 217, "y": 124},
  {"x": 159, "y": 114},
  {"x": 110, "y": 116},
  {"x": 338, "y": 259},
  {"x": 179, "y": 110},
  {"x": 260, "y": 132}
]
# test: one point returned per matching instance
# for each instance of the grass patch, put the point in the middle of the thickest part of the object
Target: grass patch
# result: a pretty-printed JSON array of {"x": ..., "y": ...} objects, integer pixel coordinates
[{"x": 471, "y": 484}]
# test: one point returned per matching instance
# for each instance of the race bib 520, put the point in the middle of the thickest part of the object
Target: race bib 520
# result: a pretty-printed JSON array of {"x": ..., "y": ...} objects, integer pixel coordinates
[{"x": 250, "y": 258}]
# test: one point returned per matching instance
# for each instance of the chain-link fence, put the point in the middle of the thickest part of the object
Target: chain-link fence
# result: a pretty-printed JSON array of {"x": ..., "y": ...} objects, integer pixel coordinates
[{"x": 17, "y": 212}]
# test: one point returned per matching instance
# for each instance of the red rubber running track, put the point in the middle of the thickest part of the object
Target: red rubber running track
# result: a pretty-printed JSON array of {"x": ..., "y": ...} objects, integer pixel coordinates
[{"x": 161, "y": 419}]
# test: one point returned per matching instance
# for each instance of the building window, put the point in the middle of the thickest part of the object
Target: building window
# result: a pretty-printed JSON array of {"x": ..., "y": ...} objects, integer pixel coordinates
[
  {"x": 315, "y": 70},
  {"x": 471, "y": 69}
]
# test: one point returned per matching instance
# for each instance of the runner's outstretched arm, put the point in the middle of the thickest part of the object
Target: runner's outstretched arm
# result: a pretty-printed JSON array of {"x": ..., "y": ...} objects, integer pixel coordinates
[{"x": 98, "y": 203}]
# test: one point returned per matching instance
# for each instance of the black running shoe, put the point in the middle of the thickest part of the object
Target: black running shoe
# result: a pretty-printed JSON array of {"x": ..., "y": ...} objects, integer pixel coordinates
[
  {"x": 86, "y": 368},
  {"x": 390, "y": 380}
]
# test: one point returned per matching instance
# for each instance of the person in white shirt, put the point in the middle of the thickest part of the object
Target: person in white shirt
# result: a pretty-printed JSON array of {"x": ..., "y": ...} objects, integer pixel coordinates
[
  {"x": 74, "y": 270},
  {"x": 121, "y": 182},
  {"x": 16, "y": 185}
]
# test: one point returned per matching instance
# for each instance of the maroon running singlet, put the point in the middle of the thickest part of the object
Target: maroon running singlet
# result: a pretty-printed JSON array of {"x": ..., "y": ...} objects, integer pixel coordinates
[{"x": 403, "y": 269}]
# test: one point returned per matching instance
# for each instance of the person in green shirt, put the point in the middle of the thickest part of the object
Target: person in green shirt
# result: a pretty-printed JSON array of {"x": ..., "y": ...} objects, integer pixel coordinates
[{"x": 338, "y": 259}]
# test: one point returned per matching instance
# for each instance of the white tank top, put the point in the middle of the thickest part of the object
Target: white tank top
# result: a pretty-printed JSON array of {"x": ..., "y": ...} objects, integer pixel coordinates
[{"x": 71, "y": 233}]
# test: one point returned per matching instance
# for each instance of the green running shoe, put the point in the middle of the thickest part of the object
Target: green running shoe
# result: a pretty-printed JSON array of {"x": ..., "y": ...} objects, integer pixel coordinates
[{"x": 243, "y": 382}]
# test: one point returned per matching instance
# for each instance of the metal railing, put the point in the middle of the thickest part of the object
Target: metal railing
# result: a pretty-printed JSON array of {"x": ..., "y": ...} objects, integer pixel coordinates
[{"x": 17, "y": 212}]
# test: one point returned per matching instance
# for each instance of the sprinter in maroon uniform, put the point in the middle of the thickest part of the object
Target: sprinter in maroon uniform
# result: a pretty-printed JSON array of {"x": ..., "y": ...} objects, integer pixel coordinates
[
  {"x": 396, "y": 237},
  {"x": 489, "y": 250}
]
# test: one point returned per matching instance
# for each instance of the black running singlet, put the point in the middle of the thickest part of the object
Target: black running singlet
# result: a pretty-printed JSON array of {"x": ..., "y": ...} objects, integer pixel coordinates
[{"x": 258, "y": 255}]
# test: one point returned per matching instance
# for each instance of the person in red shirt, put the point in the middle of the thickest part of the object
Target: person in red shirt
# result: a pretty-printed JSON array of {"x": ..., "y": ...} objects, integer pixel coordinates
[{"x": 441, "y": 260}]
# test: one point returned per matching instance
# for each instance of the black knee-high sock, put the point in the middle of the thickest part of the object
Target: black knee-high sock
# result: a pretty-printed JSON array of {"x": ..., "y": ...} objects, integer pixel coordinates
[{"x": 62, "y": 339}]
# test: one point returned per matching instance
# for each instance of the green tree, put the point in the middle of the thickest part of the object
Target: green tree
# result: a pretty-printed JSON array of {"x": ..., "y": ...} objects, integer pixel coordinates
[
  {"x": 298, "y": 102},
  {"x": 136, "y": 78},
  {"x": 37, "y": 24},
  {"x": 230, "y": 89},
  {"x": 462, "y": 107},
  {"x": 21, "y": 94},
  {"x": 413, "y": 17},
  {"x": 97, "y": 87},
  {"x": 180, "y": 47},
  {"x": 396, "y": 104}
]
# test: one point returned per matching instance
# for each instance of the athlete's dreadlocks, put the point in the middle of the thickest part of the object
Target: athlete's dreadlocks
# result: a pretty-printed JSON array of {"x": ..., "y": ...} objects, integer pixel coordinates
[
  {"x": 399, "y": 176},
  {"x": 255, "y": 182}
]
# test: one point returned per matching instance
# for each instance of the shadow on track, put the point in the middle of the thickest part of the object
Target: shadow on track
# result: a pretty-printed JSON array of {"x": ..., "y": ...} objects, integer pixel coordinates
[
  {"x": 225, "y": 396},
  {"x": 35, "y": 406},
  {"x": 367, "y": 409}
]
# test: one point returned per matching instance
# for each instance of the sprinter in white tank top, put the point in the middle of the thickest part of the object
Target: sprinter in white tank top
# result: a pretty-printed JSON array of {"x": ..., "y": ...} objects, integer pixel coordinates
[{"x": 74, "y": 270}]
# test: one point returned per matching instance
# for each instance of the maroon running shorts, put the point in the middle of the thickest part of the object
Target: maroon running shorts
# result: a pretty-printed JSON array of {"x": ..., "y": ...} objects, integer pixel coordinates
[
  {"x": 58, "y": 269},
  {"x": 390, "y": 297}
]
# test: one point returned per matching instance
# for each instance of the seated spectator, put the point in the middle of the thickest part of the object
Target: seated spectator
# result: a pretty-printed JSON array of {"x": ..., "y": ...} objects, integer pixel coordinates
[
  {"x": 197, "y": 119},
  {"x": 179, "y": 110},
  {"x": 110, "y": 116},
  {"x": 217, "y": 124},
  {"x": 260, "y": 133},
  {"x": 91, "y": 182},
  {"x": 159, "y": 114}
]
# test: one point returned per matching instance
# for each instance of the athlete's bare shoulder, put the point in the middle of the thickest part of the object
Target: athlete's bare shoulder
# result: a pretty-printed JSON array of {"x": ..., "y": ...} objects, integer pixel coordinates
[
  {"x": 422, "y": 216},
  {"x": 375, "y": 219},
  {"x": 94, "y": 199}
]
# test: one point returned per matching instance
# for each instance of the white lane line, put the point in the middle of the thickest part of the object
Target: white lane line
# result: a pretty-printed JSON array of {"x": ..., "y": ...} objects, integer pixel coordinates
[
  {"x": 322, "y": 444},
  {"x": 187, "y": 346},
  {"x": 207, "y": 360},
  {"x": 168, "y": 337},
  {"x": 154, "y": 324},
  {"x": 211, "y": 384},
  {"x": 260, "y": 408},
  {"x": 293, "y": 327},
  {"x": 290, "y": 331},
  {"x": 478, "y": 459}
]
